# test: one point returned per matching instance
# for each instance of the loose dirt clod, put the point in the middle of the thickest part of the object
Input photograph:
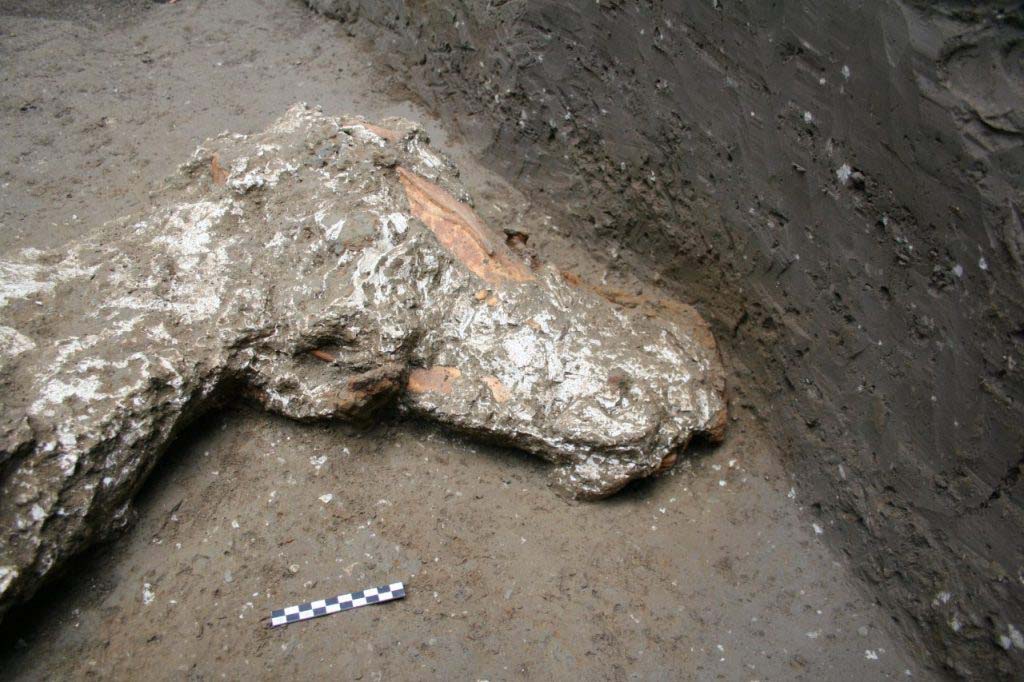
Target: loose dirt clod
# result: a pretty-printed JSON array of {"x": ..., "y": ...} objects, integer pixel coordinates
[{"x": 324, "y": 268}]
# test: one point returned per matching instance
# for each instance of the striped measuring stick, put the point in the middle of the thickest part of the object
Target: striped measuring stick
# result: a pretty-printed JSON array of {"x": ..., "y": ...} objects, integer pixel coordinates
[{"x": 343, "y": 602}]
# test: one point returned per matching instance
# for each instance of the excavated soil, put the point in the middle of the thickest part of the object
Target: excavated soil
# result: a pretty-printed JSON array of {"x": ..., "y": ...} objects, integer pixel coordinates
[{"x": 714, "y": 571}]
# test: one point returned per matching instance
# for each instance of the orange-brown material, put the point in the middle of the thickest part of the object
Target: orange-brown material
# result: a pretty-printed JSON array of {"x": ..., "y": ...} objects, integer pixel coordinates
[
  {"x": 368, "y": 389},
  {"x": 664, "y": 308},
  {"x": 667, "y": 463},
  {"x": 322, "y": 355},
  {"x": 433, "y": 380},
  {"x": 668, "y": 309},
  {"x": 220, "y": 176},
  {"x": 460, "y": 231},
  {"x": 498, "y": 390},
  {"x": 385, "y": 133}
]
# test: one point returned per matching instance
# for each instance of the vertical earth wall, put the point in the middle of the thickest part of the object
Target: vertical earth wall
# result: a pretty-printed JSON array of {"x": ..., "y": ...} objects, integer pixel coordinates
[{"x": 838, "y": 186}]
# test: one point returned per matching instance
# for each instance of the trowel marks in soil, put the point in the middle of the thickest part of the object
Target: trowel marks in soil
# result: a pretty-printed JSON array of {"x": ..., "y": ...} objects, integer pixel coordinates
[{"x": 324, "y": 268}]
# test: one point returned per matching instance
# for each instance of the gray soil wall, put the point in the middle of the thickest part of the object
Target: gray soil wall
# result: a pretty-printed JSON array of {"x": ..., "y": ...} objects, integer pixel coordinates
[{"x": 838, "y": 187}]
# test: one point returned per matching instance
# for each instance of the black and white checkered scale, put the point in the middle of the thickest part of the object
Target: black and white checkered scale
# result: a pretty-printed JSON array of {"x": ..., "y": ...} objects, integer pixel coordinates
[{"x": 343, "y": 602}]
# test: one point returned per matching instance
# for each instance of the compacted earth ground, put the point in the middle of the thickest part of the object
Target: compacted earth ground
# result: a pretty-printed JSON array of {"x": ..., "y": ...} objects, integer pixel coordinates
[{"x": 714, "y": 571}]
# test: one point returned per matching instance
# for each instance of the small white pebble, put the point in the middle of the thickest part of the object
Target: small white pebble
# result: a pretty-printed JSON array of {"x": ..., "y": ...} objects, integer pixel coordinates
[{"x": 1016, "y": 637}]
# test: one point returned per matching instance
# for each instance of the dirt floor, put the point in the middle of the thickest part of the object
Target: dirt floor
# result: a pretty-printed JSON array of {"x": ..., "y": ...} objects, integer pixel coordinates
[{"x": 715, "y": 571}]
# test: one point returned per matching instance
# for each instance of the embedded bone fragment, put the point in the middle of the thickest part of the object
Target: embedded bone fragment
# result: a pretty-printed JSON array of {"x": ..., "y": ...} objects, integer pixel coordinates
[{"x": 324, "y": 268}]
